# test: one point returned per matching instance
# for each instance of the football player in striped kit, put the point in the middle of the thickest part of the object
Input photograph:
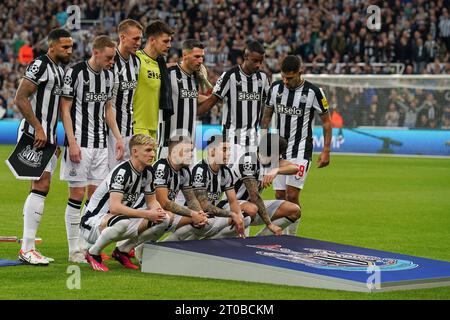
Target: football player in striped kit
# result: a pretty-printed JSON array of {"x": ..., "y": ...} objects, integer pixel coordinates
[
  {"x": 211, "y": 179},
  {"x": 86, "y": 109},
  {"x": 242, "y": 89},
  {"x": 38, "y": 98},
  {"x": 110, "y": 215},
  {"x": 184, "y": 81},
  {"x": 257, "y": 170},
  {"x": 295, "y": 101},
  {"x": 126, "y": 72}
]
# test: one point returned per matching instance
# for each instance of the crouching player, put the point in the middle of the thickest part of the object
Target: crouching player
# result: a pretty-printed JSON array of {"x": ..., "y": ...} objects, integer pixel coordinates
[
  {"x": 172, "y": 175},
  {"x": 110, "y": 215},
  {"x": 212, "y": 178},
  {"x": 253, "y": 172}
]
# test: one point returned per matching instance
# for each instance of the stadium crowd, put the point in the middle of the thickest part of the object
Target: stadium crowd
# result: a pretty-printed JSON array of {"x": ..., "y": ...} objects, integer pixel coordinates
[{"x": 330, "y": 36}]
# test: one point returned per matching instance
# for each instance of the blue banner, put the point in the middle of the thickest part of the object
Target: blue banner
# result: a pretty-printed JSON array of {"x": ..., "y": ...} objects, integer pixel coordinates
[
  {"x": 321, "y": 258},
  {"x": 359, "y": 140}
]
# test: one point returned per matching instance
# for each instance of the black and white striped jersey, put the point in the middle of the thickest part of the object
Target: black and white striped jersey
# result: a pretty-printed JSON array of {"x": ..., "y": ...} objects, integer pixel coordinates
[
  {"x": 124, "y": 178},
  {"x": 167, "y": 177},
  {"x": 214, "y": 183},
  {"x": 184, "y": 99},
  {"x": 90, "y": 90},
  {"x": 243, "y": 97},
  {"x": 126, "y": 74},
  {"x": 248, "y": 167},
  {"x": 48, "y": 77},
  {"x": 295, "y": 110}
]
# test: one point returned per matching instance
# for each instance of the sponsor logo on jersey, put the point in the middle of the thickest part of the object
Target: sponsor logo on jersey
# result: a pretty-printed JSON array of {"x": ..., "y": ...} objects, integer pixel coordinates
[
  {"x": 153, "y": 75},
  {"x": 128, "y": 85},
  {"x": 30, "y": 157},
  {"x": 214, "y": 196},
  {"x": 248, "y": 96},
  {"x": 332, "y": 260},
  {"x": 188, "y": 94},
  {"x": 281, "y": 108},
  {"x": 95, "y": 97},
  {"x": 131, "y": 198}
]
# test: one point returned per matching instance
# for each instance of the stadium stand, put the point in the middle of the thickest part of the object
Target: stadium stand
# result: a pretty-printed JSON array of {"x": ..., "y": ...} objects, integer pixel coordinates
[{"x": 330, "y": 36}]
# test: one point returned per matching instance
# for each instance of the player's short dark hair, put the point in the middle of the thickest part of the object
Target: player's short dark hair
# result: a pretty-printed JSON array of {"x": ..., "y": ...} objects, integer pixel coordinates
[
  {"x": 291, "y": 64},
  {"x": 157, "y": 28},
  {"x": 57, "y": 34},
  {"x": 190, "y": 44},
  {"x": 214, "y": 140},
  {"x": 255, "y": 46}
]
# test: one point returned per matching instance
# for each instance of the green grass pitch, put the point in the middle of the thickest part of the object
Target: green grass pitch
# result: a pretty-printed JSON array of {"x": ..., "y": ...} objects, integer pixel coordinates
[{"x": 394, "y": 204}]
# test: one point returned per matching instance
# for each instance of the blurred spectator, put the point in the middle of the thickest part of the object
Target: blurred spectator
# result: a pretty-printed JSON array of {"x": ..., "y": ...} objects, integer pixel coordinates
[
  {"x": 392, "y": 116},
  {"x": 330, "y": 36},
  {"x": 26, "y": 54},
  {"x": 336, "y": 119}
]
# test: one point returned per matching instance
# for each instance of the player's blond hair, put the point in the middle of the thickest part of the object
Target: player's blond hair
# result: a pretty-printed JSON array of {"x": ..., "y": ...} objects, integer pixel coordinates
[
  {"x": 102, "y": 42},
  {"x": 141, "y": 140},
  {"x": 128, "y": 23}
]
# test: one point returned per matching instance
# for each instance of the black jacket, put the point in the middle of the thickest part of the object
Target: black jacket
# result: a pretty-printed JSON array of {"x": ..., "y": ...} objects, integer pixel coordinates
[{"x": 165, "y": 97}]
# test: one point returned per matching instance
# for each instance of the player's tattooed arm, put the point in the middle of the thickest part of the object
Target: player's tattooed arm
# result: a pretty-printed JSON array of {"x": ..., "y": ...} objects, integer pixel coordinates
[
  {"x": 207, "y": 206},
  {"x": 191, "y": 199},
  {"x": 252, "y": 187},
  {"x": 267, "y": 117},
  {"x": 169, "y": 205},
  {"x": 177, "y": 209}
]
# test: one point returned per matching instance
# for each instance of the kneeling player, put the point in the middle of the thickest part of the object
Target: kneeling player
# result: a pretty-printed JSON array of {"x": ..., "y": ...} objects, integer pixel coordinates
[
  {"x": 212, "y": 178},
  {"x": 251, "y": 178},
  {"x": 110, "y": 215},
  {"x": 172, "y": 174}
]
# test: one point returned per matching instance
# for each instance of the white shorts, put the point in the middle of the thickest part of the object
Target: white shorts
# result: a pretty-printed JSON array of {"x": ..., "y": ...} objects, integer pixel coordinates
[
  {"x": 91, "y": 170},
  {"x": 271, "y": 207},
  {"x": 112, "y": 161},
  {"x": 297, "y": 180},
  {"x": 95, "y": 222}
]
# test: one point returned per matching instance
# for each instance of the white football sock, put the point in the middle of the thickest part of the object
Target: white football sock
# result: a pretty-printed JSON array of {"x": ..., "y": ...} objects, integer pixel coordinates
[
  {"x": 32, "y": 214},
  {"x": 109, "y": 235},
  {"x": 83, "y": 245},
  {"x": 72, "y": 218},
  {"x": 230, "y": 231},
  {"x": 151, "y": 234},
  {"x": 281, "y": 222},
  {"x": 293, "y": 228}
]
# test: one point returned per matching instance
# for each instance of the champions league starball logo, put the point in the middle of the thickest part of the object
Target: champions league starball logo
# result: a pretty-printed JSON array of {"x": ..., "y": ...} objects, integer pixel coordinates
[{"x": 331, "y": 260}]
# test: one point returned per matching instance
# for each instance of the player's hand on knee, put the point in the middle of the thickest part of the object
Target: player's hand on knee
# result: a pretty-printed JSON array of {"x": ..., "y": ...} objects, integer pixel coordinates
[
  {"x": 74, "y": 153},
  {"x": 238, "y": 222},
  {"x": 276, "y": 230},
  {"x": 155, "y": 215},
  {"x": 199, "y": 219}
]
